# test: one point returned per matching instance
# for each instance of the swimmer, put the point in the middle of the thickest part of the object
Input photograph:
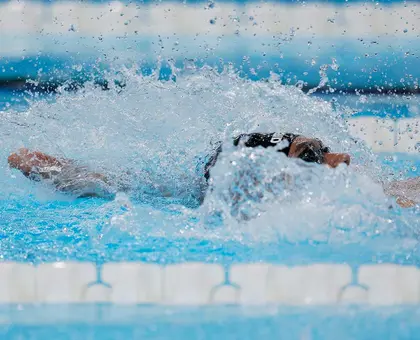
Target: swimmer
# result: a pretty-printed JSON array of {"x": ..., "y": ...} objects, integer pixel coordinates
[
  {"x": 312, "y": 150},
  {"x": 294, "y": 146},
  {"x": 67, "y": 176}
]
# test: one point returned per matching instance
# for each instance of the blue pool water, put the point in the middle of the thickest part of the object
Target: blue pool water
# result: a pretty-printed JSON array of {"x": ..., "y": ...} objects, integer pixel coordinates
[
  {"x": 229, "y": 322},
  {"x": 163, "y": 131}
]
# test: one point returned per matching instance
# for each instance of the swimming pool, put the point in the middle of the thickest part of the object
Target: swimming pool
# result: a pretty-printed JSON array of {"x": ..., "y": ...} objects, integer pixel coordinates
[
  {"x": 335, "y": 259},
  {"x": 152, "y": 263}
]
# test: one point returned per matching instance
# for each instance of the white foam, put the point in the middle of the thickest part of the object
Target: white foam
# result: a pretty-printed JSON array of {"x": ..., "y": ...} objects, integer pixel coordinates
[{"x": 157, "y": 148}]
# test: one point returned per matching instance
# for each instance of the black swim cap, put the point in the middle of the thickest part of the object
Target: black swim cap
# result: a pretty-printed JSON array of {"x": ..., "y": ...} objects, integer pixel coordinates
[{"x": 253, "y": 140}]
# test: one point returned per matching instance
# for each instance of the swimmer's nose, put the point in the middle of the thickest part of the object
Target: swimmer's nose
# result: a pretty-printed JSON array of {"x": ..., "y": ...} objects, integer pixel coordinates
[{"x": 335, "y": 159}]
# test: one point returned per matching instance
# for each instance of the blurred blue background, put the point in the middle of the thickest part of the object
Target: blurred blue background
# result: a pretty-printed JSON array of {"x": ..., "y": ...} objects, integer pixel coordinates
[{"x": 346, "y": 45}]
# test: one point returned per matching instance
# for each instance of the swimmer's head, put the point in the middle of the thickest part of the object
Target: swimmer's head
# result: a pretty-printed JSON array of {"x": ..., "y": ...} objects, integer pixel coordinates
[
  {"x": 310, "y": 150},
  {"x": 314, "y": 151}
]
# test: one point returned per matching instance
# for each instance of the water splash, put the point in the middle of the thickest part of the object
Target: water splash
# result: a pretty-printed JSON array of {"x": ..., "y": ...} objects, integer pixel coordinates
[{"x": 154, "y": 136}]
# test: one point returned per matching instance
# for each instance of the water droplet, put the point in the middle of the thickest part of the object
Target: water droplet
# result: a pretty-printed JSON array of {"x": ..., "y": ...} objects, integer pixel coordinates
[
  {"x": 78, "y": 68},
  {"x": 234, "y": 18},
  {"x": 363, "y": 99},
  {"x": 334, "y": 65}
]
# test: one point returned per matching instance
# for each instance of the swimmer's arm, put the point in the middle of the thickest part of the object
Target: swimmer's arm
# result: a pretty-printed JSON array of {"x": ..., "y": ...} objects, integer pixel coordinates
[
  {"x": 44, "y": 166},
  {"x": 30, "y": 162}
]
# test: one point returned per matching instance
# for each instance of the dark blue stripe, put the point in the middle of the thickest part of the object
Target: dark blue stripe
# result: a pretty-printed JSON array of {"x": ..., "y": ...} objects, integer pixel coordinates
[{"x": 385, "y": 73}]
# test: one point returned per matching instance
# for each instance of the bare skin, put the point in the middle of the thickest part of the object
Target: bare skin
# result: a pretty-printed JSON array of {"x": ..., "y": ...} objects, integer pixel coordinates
[
  {"x": 405, "y": 191},
  {"x": 30, "y": 162},
  {"x": 331, "y": 159},
  {"x": 26, "y": 161},
  {"x": 405, "y": 202}
]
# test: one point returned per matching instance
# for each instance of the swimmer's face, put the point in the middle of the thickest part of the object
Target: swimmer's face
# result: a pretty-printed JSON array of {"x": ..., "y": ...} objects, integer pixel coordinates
[{"x": 314, "y": 151}]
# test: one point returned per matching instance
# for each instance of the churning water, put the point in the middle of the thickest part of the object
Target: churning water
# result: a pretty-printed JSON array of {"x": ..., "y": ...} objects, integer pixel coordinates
[{"x": 153, "y": 137}]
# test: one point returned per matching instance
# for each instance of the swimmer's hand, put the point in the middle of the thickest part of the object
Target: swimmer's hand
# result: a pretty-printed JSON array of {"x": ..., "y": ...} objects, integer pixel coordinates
[
  {"x": 405, "y": 202},
  {"x": 406, "y": 192},
  {"x": 39, "y": 166},
  {"x": 28, "y": 162}
]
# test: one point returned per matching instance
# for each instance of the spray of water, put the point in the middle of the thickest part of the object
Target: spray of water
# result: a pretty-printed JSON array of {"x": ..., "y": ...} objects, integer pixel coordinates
[{"x": 152, "y": 138}]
